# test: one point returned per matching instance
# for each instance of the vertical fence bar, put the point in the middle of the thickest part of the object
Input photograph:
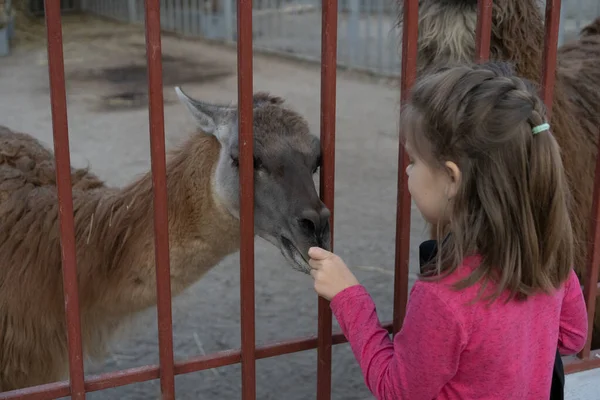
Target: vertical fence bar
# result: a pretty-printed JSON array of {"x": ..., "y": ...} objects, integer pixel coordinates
[
  {"x": 380, "y": 42},
  {"x": 561, "y": 26},
  {"x": 171, "y": 25},
  {"x": 195, "y": 13},
  {"x": 551, "y": 27},
  {"x": 60, "y": 131},
  {"x": 367, "y": 11},
  {"x": 159, "y": 189},
  {"x": 123, "y": 12},
  {"x": 579, "y": 15},
  {"x": 483, "y": 31},
  {"x": 353, "y": 32},
  {"x": 228, "y": 20},
  {"x": 132, "y": 11},
  {"x": 246, "y": 138},
  {"x": 410, "y": 31},
  {"x": 590, "y": 283},
  {"x": 186, "y": 17},
  {"x": 178, "y": 16},
  {"x": 329, "y": 19}
]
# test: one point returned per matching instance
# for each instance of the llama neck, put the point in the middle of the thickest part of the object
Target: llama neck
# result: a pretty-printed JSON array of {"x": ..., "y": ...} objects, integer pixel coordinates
[
  {"x": 518, "y": 36},
  {"x": 447, "y": 35},
  {"x": 201, "y": 232}
]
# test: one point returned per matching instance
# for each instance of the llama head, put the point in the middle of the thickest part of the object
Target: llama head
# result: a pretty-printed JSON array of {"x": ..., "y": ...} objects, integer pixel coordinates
[
  {"x": 447, "y": 30},
  {"x": 287, "y": 209}
]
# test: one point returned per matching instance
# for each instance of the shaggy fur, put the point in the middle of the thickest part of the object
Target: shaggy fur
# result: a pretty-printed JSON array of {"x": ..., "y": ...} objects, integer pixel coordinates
[
  {"x": 447, "y": 35},
  {"x": 115, "y": 253}
]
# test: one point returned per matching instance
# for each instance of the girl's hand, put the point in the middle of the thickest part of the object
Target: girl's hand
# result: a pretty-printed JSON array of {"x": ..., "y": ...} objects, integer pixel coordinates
[{"x": 330, "y": 273}]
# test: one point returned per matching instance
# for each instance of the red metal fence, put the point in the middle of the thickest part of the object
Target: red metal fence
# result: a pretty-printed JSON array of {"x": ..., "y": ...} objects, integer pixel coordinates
[{"x": 77, "y": 386}]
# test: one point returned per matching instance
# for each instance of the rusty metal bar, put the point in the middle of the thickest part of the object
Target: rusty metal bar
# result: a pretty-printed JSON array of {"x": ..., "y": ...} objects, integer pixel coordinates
[
  {"x": 590, "y": 282},
  {"x": 246, "y": 140},
  {"x": 483, "y": 31},
  {"x": 550, "y": 53},
  {"x": 410, "y": 31},
  {"x": 329, "y": 29},
  {"x": 159, "y": 189},
  {"x": 60, "y": 131}
]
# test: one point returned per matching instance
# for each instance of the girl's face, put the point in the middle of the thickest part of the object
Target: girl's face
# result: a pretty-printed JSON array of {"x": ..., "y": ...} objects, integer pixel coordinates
[{"x": 431, "y": 188}]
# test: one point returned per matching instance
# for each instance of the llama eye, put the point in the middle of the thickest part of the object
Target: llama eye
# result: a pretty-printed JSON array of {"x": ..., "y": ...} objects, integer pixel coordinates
[
  {"x": 258, "y": 163},
  {"x": 235, "y": 161}
]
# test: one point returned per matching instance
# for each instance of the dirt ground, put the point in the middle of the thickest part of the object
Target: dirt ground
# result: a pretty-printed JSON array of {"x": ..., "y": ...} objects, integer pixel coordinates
[{"x": 108, "y": 128}]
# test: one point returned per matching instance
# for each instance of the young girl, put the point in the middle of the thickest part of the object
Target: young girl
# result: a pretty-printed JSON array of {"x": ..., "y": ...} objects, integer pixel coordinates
[{"x": 486, "y": 316}]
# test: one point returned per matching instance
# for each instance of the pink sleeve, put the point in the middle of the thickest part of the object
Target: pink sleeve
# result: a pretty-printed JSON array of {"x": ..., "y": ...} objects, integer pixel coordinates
[
  {"x": 424, "y": 354},
  {"x": 573, "y": 318}
]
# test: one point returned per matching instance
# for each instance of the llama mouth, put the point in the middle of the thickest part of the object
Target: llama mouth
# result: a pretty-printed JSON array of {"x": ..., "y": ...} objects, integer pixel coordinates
[{"x": 294, "y": 256}]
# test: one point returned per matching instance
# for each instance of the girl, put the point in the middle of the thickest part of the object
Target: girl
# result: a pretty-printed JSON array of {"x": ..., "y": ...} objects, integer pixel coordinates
[{"x": 485, "y": 317}]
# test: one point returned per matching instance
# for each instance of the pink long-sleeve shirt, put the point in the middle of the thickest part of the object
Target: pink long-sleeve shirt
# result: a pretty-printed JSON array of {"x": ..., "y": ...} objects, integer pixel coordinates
[{"x": 448, "y": 349}]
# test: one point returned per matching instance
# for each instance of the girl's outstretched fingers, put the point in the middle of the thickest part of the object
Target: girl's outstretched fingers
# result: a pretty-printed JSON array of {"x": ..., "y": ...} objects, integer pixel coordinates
[{"x": 317, "y": 253}]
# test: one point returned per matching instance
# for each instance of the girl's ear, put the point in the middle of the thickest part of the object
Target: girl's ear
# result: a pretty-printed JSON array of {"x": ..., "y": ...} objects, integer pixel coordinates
[{"x": 454, "y": 176}]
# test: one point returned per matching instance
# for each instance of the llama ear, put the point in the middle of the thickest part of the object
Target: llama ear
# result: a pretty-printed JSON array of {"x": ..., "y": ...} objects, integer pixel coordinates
[{"x": 208, "y": 116}]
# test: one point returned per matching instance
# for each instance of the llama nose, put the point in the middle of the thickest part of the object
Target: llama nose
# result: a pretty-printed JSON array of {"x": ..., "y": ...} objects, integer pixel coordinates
[{"x": 315, "y": 222}]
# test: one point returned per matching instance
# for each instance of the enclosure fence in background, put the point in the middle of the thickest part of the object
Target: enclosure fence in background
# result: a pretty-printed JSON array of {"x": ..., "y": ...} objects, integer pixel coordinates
[
  {"x": 367, "y": 35},
  {"x": 78, "y": 385}
]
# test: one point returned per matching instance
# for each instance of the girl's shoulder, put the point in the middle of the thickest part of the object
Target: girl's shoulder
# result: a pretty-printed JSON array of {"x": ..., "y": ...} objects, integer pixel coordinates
[
  {"x": 468, "y": 265},
  {"x": 444, "y": 288}
]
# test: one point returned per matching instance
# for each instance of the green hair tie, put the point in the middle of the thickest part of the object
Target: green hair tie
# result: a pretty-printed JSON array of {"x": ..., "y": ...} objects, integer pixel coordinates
[{"x": 540, "y": 128}]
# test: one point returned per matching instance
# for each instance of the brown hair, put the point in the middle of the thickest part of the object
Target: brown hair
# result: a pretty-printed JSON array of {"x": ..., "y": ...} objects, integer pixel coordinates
[{"x": 512, "y": 204}]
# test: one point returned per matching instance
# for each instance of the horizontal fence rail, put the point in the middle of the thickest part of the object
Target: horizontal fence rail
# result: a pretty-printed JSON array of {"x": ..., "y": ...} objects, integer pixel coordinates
[{"x": 154, "y": 13}]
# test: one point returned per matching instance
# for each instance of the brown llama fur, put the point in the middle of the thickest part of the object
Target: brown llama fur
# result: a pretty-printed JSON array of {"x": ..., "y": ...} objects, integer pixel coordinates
[
  {"x": 115, "y": 239},
  {"x": 115, "y": 253},
  {"x": 447, "y": 35}
]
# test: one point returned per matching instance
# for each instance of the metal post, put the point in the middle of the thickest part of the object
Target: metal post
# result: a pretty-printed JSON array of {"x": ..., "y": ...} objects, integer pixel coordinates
[
  {"x": 407, "y": 78},
  {"x": 353, "y": 32},
  {"x": 228, "y": 20},
  {"x": 160, "y": 204},
  {"x": 132, "y": 10},
  {"x": 483, "y": 30},
  {"x": 246, "y": 140},
  {"x": 329, "y": 18}
]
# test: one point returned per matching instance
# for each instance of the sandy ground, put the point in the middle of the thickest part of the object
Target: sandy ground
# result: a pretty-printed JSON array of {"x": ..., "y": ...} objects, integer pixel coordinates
[{"x": 108, "y": 128}]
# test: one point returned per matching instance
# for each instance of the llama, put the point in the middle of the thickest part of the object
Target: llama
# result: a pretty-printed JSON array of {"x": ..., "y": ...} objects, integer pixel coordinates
[
  {"x": 447, "y": 35},
  {"x": 114, "y": 229}
]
